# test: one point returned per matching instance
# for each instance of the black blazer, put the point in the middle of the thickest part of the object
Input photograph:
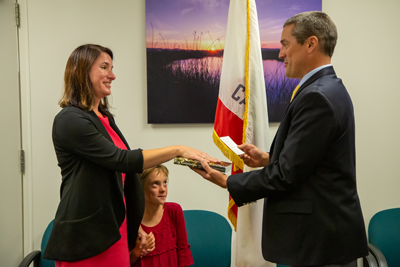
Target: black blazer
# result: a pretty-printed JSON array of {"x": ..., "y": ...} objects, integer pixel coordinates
[
  {"x": 313, "y": 214},
  {"x": 91, "y": 208}
]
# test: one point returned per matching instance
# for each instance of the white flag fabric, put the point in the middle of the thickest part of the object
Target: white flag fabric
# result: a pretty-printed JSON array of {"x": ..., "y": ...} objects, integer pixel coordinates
[{"x": 242, "y": 114}]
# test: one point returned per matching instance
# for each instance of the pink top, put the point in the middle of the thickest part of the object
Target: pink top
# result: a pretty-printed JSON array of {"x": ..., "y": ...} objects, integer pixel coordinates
[
  {"x": 172, "y": 248},
  {"x": 117, "y": 254}
]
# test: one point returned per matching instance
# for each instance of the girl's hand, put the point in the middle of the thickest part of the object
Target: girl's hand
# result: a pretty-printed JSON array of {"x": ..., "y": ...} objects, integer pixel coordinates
[
  {"x": 142, "y": 237},
  {"x": 135, "y": 252},
  {"x": 150, "y": 245},
  {"x": 138, "y": 252}
]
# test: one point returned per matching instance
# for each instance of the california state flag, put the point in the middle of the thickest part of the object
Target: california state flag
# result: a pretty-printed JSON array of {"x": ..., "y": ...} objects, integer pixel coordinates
[{"x": 242, "y": 114}]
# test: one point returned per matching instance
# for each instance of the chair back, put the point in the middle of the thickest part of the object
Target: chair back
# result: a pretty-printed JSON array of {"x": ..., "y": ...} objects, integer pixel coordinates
[
  {"x": 45, "y": 239},
  {"x": 384, "y": 233},
  {"x": 209, "y": 236}
]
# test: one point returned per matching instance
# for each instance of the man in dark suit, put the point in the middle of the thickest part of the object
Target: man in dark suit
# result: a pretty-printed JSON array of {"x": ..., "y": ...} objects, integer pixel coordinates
[{"x": 312, "y": 213}]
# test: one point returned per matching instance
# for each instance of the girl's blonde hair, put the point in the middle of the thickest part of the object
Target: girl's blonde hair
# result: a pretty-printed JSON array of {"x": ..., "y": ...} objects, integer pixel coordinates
[{"x": 159, "y": 168}]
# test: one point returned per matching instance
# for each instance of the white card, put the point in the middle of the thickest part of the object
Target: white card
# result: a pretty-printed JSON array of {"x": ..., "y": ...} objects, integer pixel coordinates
[{"x": 231, "y": 144}]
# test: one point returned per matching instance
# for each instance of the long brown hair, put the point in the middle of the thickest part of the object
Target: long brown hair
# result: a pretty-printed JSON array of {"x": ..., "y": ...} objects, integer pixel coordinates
[{"x": 78, "y": 89}]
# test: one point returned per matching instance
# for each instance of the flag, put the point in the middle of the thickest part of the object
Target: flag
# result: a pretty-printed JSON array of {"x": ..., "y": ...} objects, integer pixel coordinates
[{"x": 242, "y": 114}]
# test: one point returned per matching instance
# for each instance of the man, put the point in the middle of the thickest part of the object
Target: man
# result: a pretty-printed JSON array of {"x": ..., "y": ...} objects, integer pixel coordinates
[{"x": 313, "y": 215}]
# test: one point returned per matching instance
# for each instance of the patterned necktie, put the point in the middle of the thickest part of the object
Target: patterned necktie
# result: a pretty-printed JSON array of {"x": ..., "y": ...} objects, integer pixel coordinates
[{"x": 294, "y": 92}]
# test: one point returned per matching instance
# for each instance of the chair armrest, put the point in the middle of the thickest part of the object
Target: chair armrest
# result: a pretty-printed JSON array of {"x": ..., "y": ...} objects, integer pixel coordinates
[
  {"x": 380, "y": 258},
  {"x": 34, "y": 257},
  {"x": 369, "y": 261}
]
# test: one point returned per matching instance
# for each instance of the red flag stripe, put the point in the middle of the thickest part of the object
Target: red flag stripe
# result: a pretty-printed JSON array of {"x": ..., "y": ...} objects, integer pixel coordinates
[{"x": 227, "y": 123}]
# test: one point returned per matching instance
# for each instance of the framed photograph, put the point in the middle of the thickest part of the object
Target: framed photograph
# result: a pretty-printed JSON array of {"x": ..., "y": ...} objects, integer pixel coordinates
[{"x": 185, "y": 44}]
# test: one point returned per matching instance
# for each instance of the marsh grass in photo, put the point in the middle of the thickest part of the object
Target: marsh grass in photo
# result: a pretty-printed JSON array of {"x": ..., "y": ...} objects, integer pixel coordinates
[
  {"x": 278, "y": 88},
  {"x": 181, "y": 87}
]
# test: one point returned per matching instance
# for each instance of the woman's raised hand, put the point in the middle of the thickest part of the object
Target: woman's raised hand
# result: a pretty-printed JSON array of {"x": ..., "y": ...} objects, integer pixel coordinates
[
  {"x": 157, "y": 156},
  {"x": 192, "y": 153}
]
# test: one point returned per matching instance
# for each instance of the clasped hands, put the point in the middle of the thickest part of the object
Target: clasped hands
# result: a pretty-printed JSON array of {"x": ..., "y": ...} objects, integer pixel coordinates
[
  {"x": 145, "y": 243},
  {"x": 252, "y": 157}
]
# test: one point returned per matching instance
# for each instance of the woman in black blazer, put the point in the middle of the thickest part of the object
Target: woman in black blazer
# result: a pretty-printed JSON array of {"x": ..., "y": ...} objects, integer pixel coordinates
[{"x": 91, "y": 209}]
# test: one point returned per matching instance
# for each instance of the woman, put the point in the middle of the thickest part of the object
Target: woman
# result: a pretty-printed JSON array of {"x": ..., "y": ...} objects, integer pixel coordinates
[
  {"x": 99, "y": 171},
  {"x": 165, "y": 220}
]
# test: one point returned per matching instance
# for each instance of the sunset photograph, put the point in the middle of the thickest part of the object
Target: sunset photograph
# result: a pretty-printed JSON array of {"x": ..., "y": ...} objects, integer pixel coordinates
[{"x": 185, "y": 42}]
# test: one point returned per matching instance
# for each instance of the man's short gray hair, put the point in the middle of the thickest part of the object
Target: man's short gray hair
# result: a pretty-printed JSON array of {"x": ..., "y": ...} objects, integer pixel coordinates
[{"x": 314, "y": 23}]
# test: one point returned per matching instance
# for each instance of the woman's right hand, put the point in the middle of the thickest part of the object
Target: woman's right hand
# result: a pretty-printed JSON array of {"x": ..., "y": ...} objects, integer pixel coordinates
[
  {"x": 192, "y": 153},
  {"x": 153, "y": 157}
]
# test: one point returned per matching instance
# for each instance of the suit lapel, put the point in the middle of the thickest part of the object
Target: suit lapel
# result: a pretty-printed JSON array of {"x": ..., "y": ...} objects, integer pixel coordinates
[
  {"x": 325, "y": 71},
  {"x": 115, "y": 128},
  {"x": 103, "y": 130},
  {"x": 99, "y": 125}
]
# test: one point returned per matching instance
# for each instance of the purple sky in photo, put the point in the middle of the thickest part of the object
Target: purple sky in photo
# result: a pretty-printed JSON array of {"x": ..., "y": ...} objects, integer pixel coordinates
[{"x": 203, "y": 21}]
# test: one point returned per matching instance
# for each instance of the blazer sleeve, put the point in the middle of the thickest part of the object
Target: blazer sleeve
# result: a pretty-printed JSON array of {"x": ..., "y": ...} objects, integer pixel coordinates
[
  {"x": 311, "y": 129},
  {"x": 74, "y": 132}
]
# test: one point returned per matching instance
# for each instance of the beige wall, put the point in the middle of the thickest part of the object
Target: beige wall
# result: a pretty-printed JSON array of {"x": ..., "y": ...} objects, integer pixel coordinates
[{"x": 365, "y": 58}]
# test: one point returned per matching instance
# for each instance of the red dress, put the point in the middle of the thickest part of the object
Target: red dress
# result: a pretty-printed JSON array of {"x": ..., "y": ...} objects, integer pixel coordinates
[
  {"x": 118, "y": 253},
  {"x": 172, "y": 248}
]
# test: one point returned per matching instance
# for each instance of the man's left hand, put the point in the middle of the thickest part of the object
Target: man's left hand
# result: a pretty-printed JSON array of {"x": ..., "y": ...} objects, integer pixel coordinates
[{"x": 212, "y": 175}]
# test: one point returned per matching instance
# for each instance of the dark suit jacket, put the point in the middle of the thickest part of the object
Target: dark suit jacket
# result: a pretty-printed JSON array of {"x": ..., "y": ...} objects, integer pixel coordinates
[
  {"x": 313, "y": 214},
  {"x": 91, "y": 208}
]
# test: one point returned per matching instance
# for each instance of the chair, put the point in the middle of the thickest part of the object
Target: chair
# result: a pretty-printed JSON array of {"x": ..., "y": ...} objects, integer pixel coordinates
[
  {"x": 209, "y": 235},
  {"x": 374, "y": 256},
  {"x": 36, "y": 257},
  {"x": 384, "y": 237}
]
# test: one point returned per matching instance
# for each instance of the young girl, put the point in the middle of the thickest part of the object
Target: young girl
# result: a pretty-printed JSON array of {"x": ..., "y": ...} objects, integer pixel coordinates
[{"x": 165, "y": 220}]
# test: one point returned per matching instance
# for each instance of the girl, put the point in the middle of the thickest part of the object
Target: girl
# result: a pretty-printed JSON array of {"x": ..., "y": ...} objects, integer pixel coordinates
[{"x": 165, "y": 220}]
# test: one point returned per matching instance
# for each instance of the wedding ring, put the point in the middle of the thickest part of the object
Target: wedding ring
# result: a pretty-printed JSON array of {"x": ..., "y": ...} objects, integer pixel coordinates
[{"x": 204, "y": 157}]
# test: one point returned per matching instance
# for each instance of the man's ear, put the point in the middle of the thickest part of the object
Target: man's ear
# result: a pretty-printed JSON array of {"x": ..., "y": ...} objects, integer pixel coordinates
[{"x": 312, "y": 43}]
